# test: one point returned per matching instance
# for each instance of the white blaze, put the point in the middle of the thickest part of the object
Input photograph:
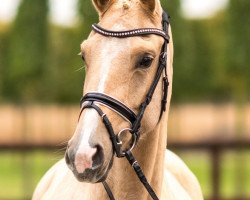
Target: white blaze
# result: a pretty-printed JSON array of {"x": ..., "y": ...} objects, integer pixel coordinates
[
  {"x": 111, "y": 48},
  {"x": 89, "y": 125},
  {"x": 85, "y": 153}
]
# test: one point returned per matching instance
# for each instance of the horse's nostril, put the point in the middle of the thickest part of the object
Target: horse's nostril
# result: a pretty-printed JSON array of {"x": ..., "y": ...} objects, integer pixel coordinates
[{"x": 98, "y": 158}]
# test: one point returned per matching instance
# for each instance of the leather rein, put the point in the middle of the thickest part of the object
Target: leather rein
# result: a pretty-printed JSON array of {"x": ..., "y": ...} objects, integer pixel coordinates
[{"x": 91, "y": 100}]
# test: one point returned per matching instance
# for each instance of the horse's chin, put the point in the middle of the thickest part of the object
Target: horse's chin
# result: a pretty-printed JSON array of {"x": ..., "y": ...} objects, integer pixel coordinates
[{"x": 90, "y": 177}]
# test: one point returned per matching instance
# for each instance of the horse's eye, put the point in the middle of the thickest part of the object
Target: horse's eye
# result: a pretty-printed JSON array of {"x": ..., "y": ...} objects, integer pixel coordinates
[{"x": 146, "y": 61}]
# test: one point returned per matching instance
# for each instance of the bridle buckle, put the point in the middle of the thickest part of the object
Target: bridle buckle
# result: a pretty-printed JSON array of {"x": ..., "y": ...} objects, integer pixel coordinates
[
  {"x": 119, "y": 142},
  {"x": 163, "y": 57}
]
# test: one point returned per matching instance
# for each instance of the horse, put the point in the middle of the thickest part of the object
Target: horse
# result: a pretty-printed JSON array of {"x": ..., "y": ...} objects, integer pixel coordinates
[{"x": 127, "y": 91}]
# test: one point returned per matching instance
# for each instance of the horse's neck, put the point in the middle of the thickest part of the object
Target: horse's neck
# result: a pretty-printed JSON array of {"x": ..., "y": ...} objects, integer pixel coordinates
[{"x": 150, "y": 155}]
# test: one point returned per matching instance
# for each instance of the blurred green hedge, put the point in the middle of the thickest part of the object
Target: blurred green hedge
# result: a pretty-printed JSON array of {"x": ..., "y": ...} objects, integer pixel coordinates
[{"x": 39, "y": 62}]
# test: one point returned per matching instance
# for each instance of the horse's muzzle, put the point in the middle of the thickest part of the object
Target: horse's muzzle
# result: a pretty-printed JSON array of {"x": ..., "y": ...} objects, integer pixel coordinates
[{"x": 86, "y": 163}]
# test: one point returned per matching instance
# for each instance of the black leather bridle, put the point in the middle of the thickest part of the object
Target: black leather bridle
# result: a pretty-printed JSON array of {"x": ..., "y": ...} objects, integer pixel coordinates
[{"x": 93, "y": 99}]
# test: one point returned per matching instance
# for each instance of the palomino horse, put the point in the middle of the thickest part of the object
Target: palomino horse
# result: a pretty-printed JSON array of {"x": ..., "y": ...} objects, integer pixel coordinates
[{"x": 125, "y": 91}]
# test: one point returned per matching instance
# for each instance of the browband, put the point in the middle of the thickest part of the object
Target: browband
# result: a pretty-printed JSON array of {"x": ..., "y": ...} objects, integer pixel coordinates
[{"x": 130, "y": 33}]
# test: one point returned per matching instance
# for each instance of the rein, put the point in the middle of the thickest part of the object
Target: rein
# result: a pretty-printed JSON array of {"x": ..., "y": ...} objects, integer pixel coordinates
[{"x": 90, "y": 100}]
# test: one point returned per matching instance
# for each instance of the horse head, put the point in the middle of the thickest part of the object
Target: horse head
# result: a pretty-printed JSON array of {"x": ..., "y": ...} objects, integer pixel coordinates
[{"x": 122, "y": 69}]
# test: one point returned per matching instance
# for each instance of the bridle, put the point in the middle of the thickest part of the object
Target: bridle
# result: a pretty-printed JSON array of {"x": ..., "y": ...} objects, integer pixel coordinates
[{"x": 93, "y": 99}]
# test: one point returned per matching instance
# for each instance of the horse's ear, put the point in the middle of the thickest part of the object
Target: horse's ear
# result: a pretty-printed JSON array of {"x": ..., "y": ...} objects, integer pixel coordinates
[
  {"x": 102, "y": 5},
  {"x": 149, "y": 4}
]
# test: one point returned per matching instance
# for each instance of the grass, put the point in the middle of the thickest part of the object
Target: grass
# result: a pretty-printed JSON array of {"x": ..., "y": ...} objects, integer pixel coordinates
[
  {"x": 236, "y": 176},
  {"x": 20, "y": 172},
  {"x": 234, "y": 168},
  {"x": 199, "y": 164}
]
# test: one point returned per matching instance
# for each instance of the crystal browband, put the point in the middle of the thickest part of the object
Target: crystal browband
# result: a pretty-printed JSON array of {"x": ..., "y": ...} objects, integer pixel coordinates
[{"x": 130, "y": 33}]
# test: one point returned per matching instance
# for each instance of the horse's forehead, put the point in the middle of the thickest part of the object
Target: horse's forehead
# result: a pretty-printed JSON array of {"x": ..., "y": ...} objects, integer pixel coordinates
[
  {"x": 105, "y": 54},
  {"x": 105, "y": 44}
]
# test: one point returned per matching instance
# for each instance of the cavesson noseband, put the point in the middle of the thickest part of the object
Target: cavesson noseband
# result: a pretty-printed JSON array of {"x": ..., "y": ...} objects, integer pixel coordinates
[{"x": 93, "y": 99}]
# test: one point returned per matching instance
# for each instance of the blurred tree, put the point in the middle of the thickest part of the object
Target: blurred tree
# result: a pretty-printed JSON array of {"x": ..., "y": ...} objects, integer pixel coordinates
[
  {"x": 217, "y": 35},
  {"x": 238, "y": 49},
  {"x": 187, "y": 70},
  {"x": 39, "y": 62},
  {"x": 238, "y": 72},
  {"x": 87, "y": 16},
  {"x": 3, "y": 54},
  {"x": 199, "y": 56},
  {"x": 200, "y": 67},
  {"x": 27, "y": 53},
  {"x": 66, "y": 76},
  {"x": 181, "y": 38},
  {"x": 65, "y": 71}
]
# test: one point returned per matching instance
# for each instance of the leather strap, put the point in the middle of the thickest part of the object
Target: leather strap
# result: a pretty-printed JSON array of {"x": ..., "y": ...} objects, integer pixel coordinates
[
  {"x": 130, "y": 33},
  {"x": 108, "y": 190},
  {"x": 116, "y": 144},
  {"x": 133, "y": 162},
  {"x": 112, "y": 103},
  {"x": 162, "y": 66}
]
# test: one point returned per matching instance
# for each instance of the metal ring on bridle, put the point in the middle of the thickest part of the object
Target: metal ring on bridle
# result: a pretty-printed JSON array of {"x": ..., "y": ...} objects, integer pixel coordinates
[{"x": 134, "y": 139}]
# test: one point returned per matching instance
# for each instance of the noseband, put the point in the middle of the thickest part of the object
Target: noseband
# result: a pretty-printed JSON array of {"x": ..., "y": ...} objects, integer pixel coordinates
[{"x": 93, "y": 99}]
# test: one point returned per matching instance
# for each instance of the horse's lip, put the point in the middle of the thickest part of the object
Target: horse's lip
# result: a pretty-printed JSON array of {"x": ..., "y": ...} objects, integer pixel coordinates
[{"x": 91, "y": 176}]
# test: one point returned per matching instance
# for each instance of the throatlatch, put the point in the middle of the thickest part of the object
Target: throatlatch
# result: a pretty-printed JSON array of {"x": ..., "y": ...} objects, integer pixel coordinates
[{"x": 91, "y": 100}]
